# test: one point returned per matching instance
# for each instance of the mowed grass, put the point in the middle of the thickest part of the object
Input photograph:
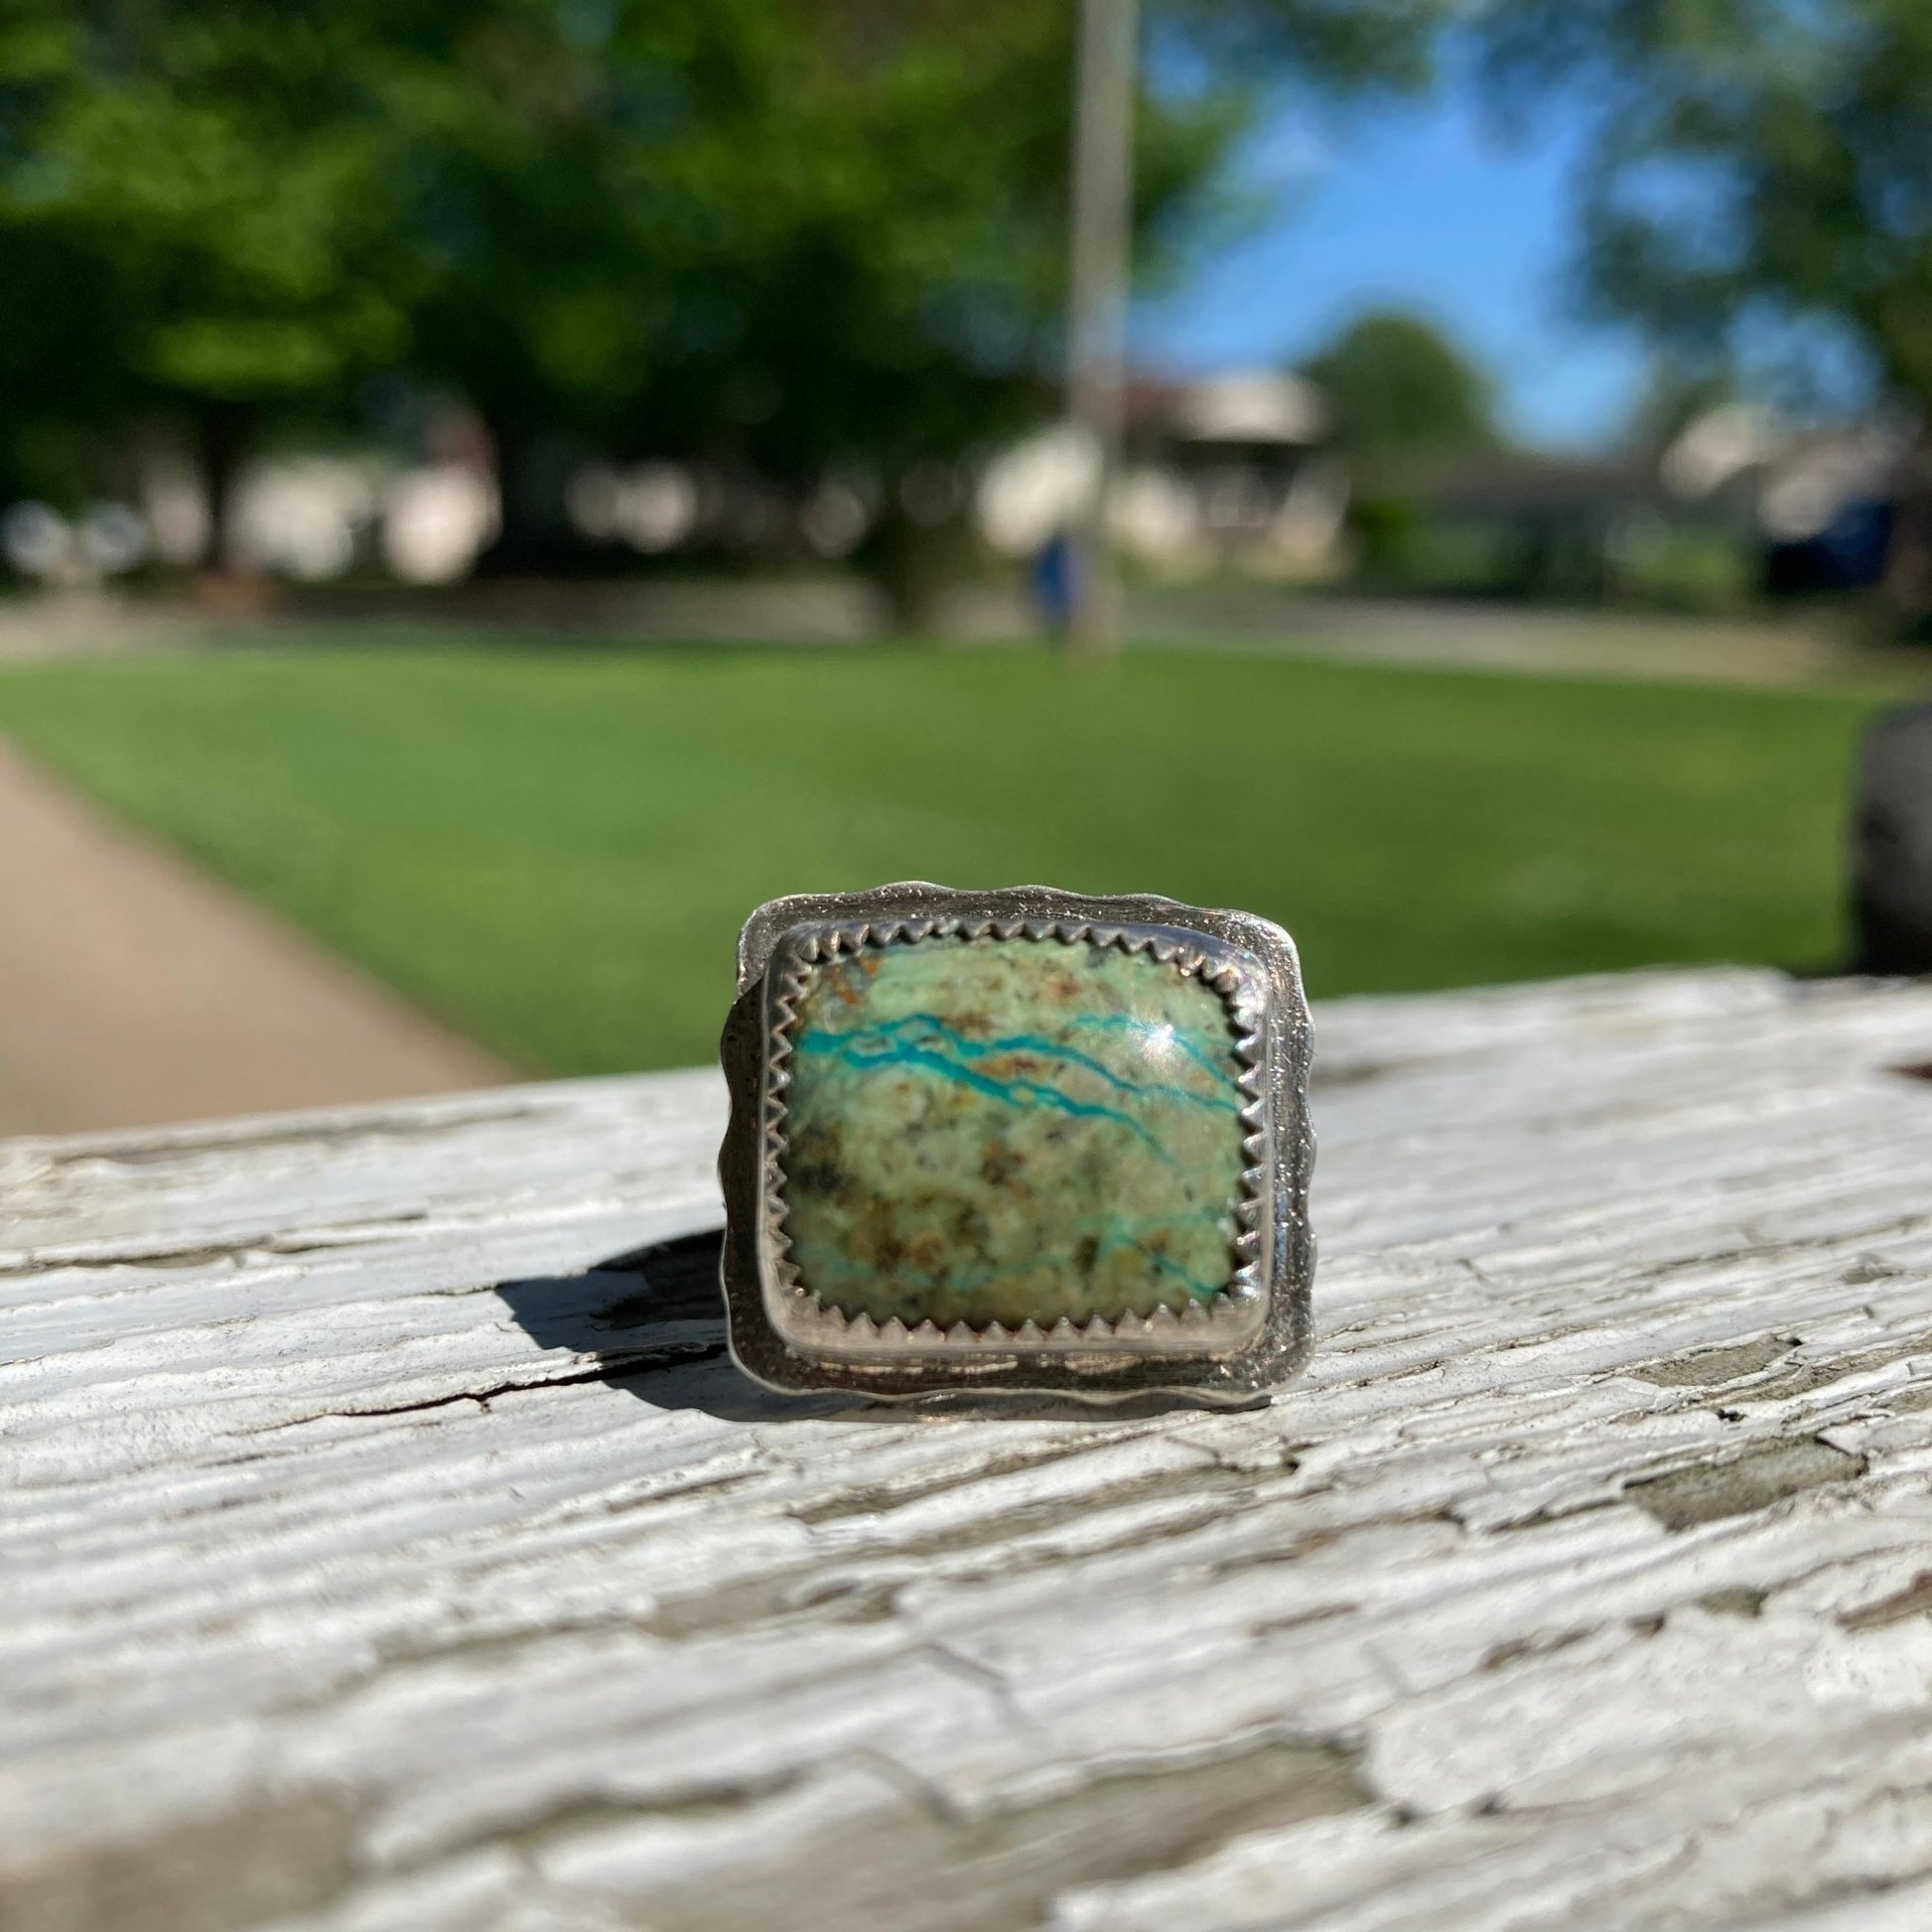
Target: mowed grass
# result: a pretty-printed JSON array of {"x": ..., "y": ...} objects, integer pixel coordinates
[{"x": 554, "y": 845}]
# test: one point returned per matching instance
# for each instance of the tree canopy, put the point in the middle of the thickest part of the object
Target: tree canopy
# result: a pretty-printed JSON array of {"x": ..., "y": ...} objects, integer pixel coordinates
[
  {"x": 793, "y": 231},
  {"x": 1750, "y": 163},
  {"x": 1756, "y": 169},
  {"x": 219, "y": 181},
  {"x": 1402, "y": 388}
]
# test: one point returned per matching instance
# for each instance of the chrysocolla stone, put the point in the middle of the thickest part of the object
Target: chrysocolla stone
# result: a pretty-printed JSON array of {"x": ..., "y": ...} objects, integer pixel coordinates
[{"x": 996, "y": 1130}]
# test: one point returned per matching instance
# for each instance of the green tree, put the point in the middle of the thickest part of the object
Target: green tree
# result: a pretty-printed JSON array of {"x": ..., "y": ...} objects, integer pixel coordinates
[
  {"x": 1401, "y": 388},
  {"x": 828, "y": 233},
  {"x": 1403, "y": 394},
  {"x": 781, "y": 234},
  {"x": 1752, "y": 165},
  {"x": 220, "y": 182}
]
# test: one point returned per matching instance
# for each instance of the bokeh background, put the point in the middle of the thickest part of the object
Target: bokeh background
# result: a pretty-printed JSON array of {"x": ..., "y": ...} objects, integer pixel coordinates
[{"x": 489, "y": 491}]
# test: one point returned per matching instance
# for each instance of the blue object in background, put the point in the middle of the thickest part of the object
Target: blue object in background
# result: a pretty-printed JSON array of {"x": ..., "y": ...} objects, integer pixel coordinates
[
  {"x": 1055, "y": 583},
  {"x": 1847, "y": 554}
]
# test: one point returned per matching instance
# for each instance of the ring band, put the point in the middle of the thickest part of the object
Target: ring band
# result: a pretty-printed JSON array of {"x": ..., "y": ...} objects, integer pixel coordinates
[{"x": 1017, "y": 1142}]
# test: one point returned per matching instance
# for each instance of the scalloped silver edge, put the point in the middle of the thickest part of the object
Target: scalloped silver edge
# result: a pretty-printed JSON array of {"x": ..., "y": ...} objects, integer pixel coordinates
[{"x": 1251, "y": 1338}]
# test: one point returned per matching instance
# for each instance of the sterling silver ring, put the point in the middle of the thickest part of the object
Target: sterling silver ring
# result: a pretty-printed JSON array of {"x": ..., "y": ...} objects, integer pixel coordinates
[{"x": 1017, "y": 1142}]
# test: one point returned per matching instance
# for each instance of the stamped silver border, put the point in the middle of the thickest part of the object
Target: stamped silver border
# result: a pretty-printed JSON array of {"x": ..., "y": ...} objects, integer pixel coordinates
[{"x": 1250, "y": 1338}]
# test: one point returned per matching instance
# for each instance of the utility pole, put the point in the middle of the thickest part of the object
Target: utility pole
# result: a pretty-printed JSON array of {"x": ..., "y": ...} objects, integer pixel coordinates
[{"x": 1096, "y": 323}]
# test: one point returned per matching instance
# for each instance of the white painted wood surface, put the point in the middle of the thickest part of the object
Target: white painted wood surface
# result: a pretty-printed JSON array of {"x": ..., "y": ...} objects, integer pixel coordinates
[{"x": 375, "y": 1563}]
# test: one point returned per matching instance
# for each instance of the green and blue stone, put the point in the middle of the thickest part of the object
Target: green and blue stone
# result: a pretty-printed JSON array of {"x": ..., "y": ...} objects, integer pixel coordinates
[{"x": 987, "y": 1130}]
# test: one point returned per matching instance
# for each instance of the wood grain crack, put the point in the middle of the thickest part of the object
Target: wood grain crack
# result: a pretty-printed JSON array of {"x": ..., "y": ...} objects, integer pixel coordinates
[{"x": 619, "y": 1368}]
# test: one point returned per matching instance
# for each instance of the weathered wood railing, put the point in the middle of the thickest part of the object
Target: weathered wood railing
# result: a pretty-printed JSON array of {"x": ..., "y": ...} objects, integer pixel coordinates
[{"x": 387, "y": 1544}]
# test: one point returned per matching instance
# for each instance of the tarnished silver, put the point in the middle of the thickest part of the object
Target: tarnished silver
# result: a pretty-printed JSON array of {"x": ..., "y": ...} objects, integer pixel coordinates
[{"x": 1251, "y": 1338}]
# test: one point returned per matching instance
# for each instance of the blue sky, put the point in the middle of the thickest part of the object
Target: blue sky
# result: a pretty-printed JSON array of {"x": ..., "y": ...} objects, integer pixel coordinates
[{"x": 1420, "y": 206}]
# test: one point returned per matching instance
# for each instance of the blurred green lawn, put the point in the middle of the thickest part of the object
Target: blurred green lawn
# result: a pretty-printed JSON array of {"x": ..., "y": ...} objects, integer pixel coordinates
[{"x": 553, "y": 845}]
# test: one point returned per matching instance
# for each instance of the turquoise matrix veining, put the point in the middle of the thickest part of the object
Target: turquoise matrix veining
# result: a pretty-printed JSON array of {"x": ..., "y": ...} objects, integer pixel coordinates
[{"x": 1001, "y": 1129}]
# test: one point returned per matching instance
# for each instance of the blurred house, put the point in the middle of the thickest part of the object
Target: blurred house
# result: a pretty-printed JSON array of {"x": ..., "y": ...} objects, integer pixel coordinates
[
  {"x": 1738, "y": 501},
  {"x": 1229, "y": 471},
  {"x": 305, "y": 518},
  {"x": 1532, "y": 522},
  {"x": 1818, "y": 501},
  {"x": 1232, "y": 474},
  {"x": 1221, "y": 473},
  {"x": 315, "y": 518}
]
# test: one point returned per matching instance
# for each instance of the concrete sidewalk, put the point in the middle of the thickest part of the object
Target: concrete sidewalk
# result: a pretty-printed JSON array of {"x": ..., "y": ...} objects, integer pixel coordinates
[
  {"x": 1787, "y": 650},
  {"x": 134, "y": 989},
  {"x": 1779, "y": 654}
]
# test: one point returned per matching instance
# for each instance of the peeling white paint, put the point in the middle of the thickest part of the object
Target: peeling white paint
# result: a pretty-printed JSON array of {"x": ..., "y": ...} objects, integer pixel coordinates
[{"x": 310, "y": 1531}]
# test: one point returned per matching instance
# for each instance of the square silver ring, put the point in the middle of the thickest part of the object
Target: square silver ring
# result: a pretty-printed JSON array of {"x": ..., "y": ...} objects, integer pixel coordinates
[{"x": 1017, "y": 1142}]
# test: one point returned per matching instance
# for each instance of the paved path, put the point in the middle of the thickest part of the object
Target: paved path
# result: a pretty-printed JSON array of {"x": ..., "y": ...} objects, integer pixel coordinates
[
  {"x": 1779, "y": 652},
  {"x": 133, "y": 989},
  {"x": 1777, "y": 648}
]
